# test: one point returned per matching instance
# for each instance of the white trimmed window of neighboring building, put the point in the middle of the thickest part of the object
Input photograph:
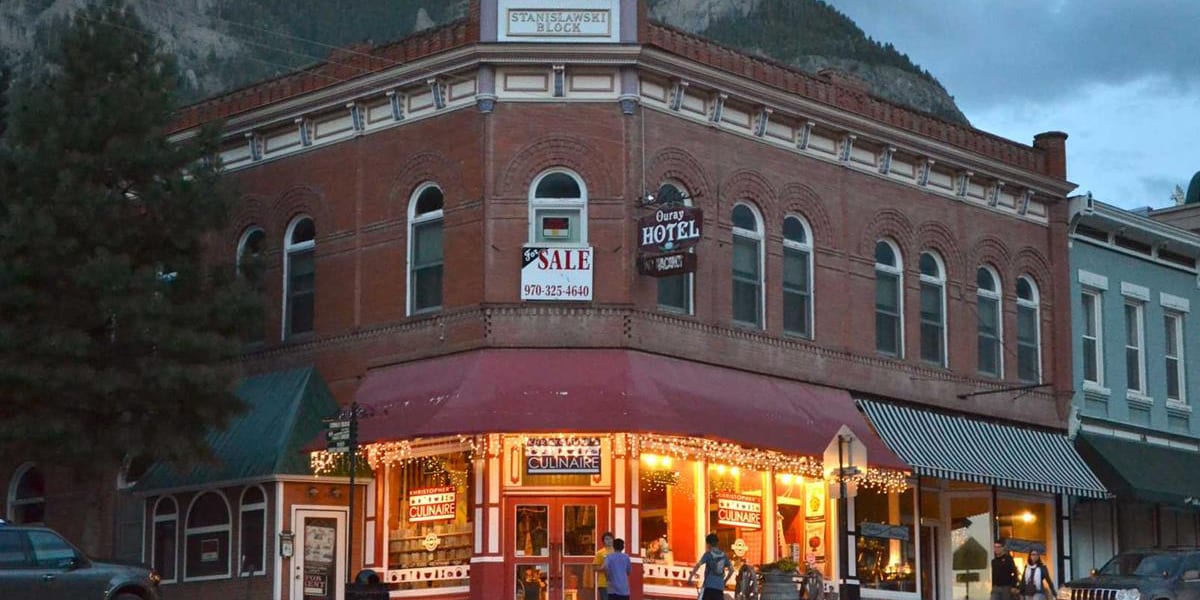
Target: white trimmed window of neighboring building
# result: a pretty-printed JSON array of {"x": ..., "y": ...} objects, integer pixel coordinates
[
  {"x": 425, "y": 254},
  {"x": 250, "y": 249},
  {"x": 933, "y": 309},
  {"x": 1093, "y": 337},
  {"x": 1135, "y": 347},
  {"x": 27, "y": 496},
  {"x": 889, "y": 300},
  {"x": 1173, "y": 357},
  {"x": 558, "y": 209},
  {"x": 252, "y": 536},
  {"x": 1029, "y": 331},
  {"x": 989, "y": 323},
  {"x": 797, "y": 277},
  {"x": 207, "y": 538},
  {"x": 164, "y": 539},
  {"x": 747, "y": 300},
  {"x": 299, "y": 277}
]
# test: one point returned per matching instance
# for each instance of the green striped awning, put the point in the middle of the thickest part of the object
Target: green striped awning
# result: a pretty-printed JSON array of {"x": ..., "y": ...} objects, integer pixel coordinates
[{"x": 964, "y": 449}]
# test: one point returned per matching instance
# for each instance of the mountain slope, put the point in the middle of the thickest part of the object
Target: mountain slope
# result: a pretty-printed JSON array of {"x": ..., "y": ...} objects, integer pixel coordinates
[{"x": 224, "y": 44}]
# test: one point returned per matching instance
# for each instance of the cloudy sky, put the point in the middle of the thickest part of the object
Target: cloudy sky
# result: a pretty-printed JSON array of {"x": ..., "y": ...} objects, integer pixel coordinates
[{"x": 1121, "y": 77}]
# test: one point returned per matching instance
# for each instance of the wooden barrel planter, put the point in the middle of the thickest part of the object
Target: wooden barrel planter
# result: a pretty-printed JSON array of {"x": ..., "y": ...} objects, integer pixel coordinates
[{"x": 779, "y": 585}]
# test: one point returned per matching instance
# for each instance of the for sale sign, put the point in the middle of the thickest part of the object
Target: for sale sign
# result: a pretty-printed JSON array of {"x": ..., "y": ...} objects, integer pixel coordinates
[
  {"x": 739, "y": 511},
  {"x": 553, "y": 273},
  {"x": 432, "y": 504}
]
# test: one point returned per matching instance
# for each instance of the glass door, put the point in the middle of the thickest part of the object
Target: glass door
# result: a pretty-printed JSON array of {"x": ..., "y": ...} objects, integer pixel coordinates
[
  {"x": 319, "y": 562},
  {"x": 553, "y": 547}
]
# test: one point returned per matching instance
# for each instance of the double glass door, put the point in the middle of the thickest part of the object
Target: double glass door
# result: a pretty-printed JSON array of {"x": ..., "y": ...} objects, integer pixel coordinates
[{"x": 553, "y": 545}]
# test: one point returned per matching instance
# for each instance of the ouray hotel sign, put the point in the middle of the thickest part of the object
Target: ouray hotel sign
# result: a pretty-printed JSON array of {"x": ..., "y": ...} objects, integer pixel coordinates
[{"x": 666, "y": 234}]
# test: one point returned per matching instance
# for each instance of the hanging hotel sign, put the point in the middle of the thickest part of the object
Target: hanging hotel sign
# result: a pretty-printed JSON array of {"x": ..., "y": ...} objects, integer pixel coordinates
[
  {"x": 559, "y": 21},
  {"x": 667, "y": 229},
  {"x": 562, "y": 456},
  {"x": 550, "y": 273},
  {"x": 739, "y": 511},
  {"x": 432, "y": 504},
  {"x": 666, "y": 265}
]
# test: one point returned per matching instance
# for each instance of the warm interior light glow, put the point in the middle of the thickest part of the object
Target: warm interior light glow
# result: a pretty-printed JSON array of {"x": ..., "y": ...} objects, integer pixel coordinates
[
  {"x": 666, "y": 462},
  {"x": 720, "y": 469},
  {"x": 735, "y": 471},
  {"x": 1028, "y": 517},
  {"x": 786, "y": 478}
]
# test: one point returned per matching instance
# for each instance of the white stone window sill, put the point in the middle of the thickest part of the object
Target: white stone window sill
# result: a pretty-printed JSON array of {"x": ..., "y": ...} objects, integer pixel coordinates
[
  {"x": 1135, "y": 397},
  {"x": 1179, "y": 406},
  {"x": 1096, "y": 389}
]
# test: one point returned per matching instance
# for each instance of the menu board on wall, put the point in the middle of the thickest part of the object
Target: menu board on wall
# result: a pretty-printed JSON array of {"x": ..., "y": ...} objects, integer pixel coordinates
[
  {"x": 739, "y": 511},
  {"x": 432, "y": 504}
]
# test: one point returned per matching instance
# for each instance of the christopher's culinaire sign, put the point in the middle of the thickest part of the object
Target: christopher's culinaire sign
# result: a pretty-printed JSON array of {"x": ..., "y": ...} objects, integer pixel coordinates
[
  {"x": 739, "y": 511},
  {"x": 431, "y": 504},
  {"x": 549, "y": 273},
  {"x": 559, "y": 21},
  {"x": 556, "y": 456}
]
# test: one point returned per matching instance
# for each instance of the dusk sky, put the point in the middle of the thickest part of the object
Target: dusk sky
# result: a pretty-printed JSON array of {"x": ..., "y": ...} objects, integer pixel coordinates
[{"x": 1121, "y": 77}]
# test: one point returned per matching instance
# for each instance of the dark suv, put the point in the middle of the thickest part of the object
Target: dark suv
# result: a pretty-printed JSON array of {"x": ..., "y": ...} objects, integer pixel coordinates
[
  {"x": 1172, "y": 574},
  {"x": 38, "y": 564}
]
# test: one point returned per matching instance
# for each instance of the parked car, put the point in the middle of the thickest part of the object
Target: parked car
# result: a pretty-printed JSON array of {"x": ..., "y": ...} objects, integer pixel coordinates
[
  {"x": 38, "y": 564},
  {"x": 1158, "y": 574}
]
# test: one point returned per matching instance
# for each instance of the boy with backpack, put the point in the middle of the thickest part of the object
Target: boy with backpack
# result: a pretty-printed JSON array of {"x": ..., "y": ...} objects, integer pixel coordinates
[{"x": 717, "y": 570}]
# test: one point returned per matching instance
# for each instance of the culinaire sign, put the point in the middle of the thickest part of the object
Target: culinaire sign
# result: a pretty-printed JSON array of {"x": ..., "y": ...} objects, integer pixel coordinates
[
  {"x": 556, "y": 273},
  {"x": 739, "y": 511},
  {"x": 546, "y": 456},
  {"x": 431, "y": 504},
  {"x": 670, "y": 229}
]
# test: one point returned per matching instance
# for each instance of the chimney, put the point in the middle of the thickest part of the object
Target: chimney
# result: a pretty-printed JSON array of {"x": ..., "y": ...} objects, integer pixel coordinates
[{"x": 1053, "y": 145}]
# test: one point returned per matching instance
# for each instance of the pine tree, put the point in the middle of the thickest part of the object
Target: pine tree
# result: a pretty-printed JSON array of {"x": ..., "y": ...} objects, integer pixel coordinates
[{"x": 118, "y": 331}]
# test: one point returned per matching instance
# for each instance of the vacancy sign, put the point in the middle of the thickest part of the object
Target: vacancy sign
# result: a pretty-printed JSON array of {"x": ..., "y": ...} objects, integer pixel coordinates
[
  {"x": 739, "y": 511},
  {"x": 431, "y": 504},
  {"x": 553, "y": 273}
]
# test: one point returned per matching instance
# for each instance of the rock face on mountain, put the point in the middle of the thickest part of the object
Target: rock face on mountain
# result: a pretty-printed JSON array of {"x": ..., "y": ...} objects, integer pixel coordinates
[{"x": 224, "y": 44}]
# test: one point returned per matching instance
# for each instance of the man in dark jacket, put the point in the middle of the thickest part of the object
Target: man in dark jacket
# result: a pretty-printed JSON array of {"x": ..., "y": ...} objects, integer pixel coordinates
[{"x": 1004, "y": 573}]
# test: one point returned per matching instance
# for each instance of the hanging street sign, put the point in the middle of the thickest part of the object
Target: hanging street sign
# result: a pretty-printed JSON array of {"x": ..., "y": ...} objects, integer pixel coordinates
[
  {"x": 338, "y": 434},
  {"x": 666, "y": 265},
  {"x": 670, "y": 228}
]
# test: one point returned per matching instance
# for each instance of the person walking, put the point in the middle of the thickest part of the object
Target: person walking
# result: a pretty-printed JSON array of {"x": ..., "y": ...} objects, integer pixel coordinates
[
  {"x": 598, "y": 562},
  {"x": 1004, "y": 573},
  {"x": 1035, "y": 581},
  {"x": 717, "y": 570},
  {"x": 616, "y": 571}
]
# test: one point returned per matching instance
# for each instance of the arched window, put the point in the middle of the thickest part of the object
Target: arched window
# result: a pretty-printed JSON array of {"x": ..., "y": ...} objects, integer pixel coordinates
[
  {"x": 164, "y": 544},
  {"x": 889, "y": 304},
  {"x": 207, "y": 542},
  {"x": 253, "y": 532},
  {"x": 250, "y": 254},
  {"x": 747, "y": 266},
  {"x": 1029, "y": 334},
  {"x": 558, "y": 209},
  {"x": 933, "y": 309},
  {"x": 675, "y": 292},
  {"x": 797, "y": 277},
  {"x": 299, "y": 277},
  {"x": 988, "y": 324},
  {"x": 425, "y": 249},
  {"x": 27, "y": 495}
]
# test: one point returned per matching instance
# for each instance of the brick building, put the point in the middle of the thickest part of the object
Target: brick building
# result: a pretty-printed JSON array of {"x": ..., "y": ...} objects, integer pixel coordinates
[{"x": 450, "y": 232}]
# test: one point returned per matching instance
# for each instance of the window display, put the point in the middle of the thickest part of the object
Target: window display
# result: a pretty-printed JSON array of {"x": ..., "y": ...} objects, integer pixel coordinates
[
  {"x": 667, "y": 492},
  {"x": 429, "y": 523},
  {"x": 735, "y": 512},
  {"x": 886, "y": 553}
]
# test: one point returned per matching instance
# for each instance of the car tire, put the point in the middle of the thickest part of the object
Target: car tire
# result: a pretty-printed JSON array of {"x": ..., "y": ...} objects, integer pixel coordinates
[{"x": 127, "y": 596}]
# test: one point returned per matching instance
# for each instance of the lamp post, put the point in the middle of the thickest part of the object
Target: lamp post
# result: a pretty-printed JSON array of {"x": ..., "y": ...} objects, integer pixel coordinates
[{"x": 845, "y": 457}]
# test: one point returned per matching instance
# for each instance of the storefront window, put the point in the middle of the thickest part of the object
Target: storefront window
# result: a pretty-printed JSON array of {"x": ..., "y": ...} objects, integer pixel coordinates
[
  {"x": 735, "y": 512},
  {"x": 669, "y": 531},
  {"x": 429, "y": 521},
  {"x": 800, "y": 516},
  {"x": 887, "y": 557},
  {"x": 970, "y": 546},
  {"x": 1026, "y": 525}
]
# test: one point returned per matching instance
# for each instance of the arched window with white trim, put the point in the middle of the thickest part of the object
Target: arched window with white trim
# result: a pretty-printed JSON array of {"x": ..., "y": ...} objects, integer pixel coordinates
[
  {"x": 989, "y": 323},
  {"x": 207, "y": 538},
  {"x": 933, "y": 308},
  {"x": 27, "y": 495},
  {"x": 797, "y": 277},
  {"x": 252, "y": 532},
  {"x": 747, "y": 266},
  {"x": 675, "y": 292},
  {"x": 425, "y": 258},
  {"x": 889, "y": 300},
  {"x": 558, "y": 209},
  {"x": 249, "y": 261},
  {"x": 1029, "y": 331},
  {"x": 164, "y": 538},
  {"x": 299, "y": 277}
]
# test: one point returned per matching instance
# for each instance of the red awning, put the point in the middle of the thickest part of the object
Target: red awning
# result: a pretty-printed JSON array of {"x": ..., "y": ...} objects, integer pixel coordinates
[{"x": 600, "y": 390}]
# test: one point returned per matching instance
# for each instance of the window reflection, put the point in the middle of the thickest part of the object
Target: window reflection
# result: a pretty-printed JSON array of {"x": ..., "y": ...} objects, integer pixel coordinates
[{"x": 533, "y": 523}]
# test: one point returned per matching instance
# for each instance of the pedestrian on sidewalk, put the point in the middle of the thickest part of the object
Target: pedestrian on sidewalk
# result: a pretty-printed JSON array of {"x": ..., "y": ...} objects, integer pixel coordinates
[
  {"x": 1004, "y": 573},
  {"x": 616, "y": 571},
  {"x": 717, "y": 570},
  {"x": 598, "y": 562},
  {"x": 1035, "y": 581}
]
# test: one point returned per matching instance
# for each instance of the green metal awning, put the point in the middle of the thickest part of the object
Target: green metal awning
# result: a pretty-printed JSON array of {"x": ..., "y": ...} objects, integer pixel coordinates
[
  {"x": 964, "y": 449},
  {"x": 1137, "y": 470},
  {"x": 284, "y": 412}
]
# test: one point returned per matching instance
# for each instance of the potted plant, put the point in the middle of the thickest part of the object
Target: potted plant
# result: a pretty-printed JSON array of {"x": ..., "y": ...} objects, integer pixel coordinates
[{"x": 778, "y": 580}]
